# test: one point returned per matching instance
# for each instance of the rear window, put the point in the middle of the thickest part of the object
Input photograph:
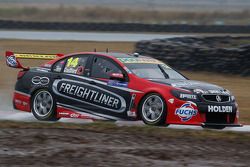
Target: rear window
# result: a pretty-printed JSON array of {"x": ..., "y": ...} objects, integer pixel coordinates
[{"x": 75, "y": 65}]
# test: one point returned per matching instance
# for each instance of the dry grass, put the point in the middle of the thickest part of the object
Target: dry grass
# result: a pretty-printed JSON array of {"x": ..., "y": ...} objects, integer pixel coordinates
[
  {"x": 121, "y": 15},
  {"x": 240, "y": 86}
]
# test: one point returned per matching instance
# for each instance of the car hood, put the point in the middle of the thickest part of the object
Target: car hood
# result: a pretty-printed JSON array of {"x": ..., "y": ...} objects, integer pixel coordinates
[{"x": 191, "y": 85}]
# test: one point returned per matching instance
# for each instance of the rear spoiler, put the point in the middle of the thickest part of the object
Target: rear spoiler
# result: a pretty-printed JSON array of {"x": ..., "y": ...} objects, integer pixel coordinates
[{"x": 12, "y": 58}]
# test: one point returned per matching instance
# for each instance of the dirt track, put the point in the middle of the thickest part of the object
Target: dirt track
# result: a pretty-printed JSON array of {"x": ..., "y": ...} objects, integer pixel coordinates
[{"x": 113, "y": 146}]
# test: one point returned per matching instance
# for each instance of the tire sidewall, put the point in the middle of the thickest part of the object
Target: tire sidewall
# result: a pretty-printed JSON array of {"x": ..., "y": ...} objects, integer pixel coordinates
[{"x": 162, "y": 119}]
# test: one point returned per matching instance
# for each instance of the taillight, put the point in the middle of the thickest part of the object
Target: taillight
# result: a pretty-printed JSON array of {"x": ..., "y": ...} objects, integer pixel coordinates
[{"x": 21, "y": 74}]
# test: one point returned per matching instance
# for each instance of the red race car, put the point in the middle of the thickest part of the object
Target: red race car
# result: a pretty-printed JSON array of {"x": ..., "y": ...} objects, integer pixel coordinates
[{"x": 96, "y": 85}]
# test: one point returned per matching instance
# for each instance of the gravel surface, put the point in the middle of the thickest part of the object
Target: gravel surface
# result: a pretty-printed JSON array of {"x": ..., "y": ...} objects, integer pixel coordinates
[{"x": 68, "y": 147}]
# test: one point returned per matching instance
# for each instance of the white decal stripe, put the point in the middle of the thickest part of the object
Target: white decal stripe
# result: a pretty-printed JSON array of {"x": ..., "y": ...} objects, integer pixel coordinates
[
  {"x": 22, "y": 93},
  {"x": 90, "y": 112},
  {"x": 104, "y": 83}
]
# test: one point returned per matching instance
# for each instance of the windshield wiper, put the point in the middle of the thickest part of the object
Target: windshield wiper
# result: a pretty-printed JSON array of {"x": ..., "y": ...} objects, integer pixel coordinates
[{"x": 164, "y": 73}]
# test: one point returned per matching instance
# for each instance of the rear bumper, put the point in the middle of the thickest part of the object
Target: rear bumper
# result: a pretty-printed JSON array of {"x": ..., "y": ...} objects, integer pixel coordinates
[{"x": 225, "y": 125}]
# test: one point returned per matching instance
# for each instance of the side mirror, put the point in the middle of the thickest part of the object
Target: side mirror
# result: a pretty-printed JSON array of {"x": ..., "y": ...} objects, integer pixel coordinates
[{"x": 117, "y": 76}]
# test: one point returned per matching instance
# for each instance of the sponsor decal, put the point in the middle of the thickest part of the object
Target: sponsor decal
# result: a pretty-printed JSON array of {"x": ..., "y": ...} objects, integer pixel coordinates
[
  {"x": 188, "y": 96},
  {"x": 139, "y": 60},
  {"x": 90, "y": 94},
  {"x": 220, "y": 109},
  {"x": 42, "y": 69},
  {"x": 186, "y": 111},
  {"x": 181, "y": 84},
  {"x": 70, "y": 70},
  {"x": 131, "y": 114},
  {"x": 47, "y": 65},
  {"x": 171, "y": 101},
  {"x": 72, "y": 62},
  {"x": 19, "y": 102},
  {"x": 63, "y": 113},
  {"x": 37, "y": 80},
  {"x": 200, "y": 91},
  {"x": 71, "y": 114},
  {"x": 75, "y": 115},
  {"x": 11, "y": 61},
  {"x": 35, "y": 56},
  {"x": 224, "y": 92},
  {"x": 117, "y": 83}
]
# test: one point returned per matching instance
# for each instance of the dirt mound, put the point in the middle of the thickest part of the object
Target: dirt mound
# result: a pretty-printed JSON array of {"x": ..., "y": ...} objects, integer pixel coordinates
[{"x": 108, "y": 145}]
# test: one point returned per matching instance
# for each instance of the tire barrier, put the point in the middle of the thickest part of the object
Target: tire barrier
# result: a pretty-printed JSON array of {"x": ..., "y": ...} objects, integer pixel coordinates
[
  {"x": 124, "y": 27},
  {"x": 214, "y": 54}
]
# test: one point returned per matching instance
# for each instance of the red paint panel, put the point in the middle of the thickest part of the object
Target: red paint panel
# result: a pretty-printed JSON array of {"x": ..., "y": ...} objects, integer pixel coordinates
[{"x": 21, "y": 101}]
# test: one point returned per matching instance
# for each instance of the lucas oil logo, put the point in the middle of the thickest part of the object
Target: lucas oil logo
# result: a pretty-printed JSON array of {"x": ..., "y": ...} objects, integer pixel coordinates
[{"x": 186, "y": 111}]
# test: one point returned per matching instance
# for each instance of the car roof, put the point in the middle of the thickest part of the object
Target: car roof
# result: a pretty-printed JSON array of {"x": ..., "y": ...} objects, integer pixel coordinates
[
  {"x": 108, "y": 54},
  {"x": 114, "y": 54}
]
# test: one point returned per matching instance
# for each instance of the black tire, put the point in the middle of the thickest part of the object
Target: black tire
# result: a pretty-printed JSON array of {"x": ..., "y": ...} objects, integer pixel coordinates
[
  {"x": 39, "y": 102},
  {"x": 161, "y": 118}
]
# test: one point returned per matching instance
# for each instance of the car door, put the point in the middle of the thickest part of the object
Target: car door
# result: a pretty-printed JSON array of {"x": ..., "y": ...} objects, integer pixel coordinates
[
  {"x": 116, "y": 97},
  {"x": 78, "y": 86}
]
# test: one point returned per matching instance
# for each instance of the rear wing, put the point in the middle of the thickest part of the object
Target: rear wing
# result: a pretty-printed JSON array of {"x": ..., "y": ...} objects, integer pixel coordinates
[{"x": 12, "y": 58}]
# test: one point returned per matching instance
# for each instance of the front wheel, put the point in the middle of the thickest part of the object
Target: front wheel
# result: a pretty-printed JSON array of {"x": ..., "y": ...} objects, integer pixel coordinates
[
  {"x": 153, "y": 110},
  {"x": 43, "y": 106}
]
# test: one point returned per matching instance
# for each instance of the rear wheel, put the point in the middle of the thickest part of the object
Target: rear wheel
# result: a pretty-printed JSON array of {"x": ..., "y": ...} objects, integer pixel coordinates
[
  {"x": 153, "y": 110},
  {"x": 44, "y": 106}
]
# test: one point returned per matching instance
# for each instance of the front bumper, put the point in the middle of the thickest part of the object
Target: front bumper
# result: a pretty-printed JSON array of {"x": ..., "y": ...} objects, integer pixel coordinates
[{"x": 203, "y": 116}]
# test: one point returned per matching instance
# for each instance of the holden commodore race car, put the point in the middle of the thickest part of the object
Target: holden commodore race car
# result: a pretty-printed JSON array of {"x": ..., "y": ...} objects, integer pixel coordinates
[{"x": 114, "y": 86}]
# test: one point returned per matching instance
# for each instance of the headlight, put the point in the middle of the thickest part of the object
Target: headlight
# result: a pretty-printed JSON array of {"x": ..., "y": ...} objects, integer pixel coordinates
[
  {"x": 232, "y": 98},
  {"x": 184, "y": 95},
  {"x": 227, "y": 92}
]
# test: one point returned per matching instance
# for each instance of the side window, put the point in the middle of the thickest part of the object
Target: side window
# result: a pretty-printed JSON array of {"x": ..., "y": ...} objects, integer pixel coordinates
[
  {"x": 58, "y": 66},
  {"x": 102, "y": 68},
  {"x": 75, "y": 65}
]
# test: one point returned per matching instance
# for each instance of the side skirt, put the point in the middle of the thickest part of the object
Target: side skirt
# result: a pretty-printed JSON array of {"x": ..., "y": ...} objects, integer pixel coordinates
[{"x": 67, "y": 111}]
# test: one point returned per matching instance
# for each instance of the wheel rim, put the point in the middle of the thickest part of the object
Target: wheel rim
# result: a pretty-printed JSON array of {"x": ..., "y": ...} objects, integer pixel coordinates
[
  {"x": 152, "y": 108},
  {"x": 43, "y": 103}
]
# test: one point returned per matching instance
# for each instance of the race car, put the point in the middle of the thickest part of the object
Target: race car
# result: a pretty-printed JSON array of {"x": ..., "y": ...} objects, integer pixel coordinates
[{"x": 118, "y": 86}]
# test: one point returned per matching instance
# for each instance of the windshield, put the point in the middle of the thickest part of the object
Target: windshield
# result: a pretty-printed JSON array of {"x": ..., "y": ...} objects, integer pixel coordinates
[{"x": 153, "y": 71}]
